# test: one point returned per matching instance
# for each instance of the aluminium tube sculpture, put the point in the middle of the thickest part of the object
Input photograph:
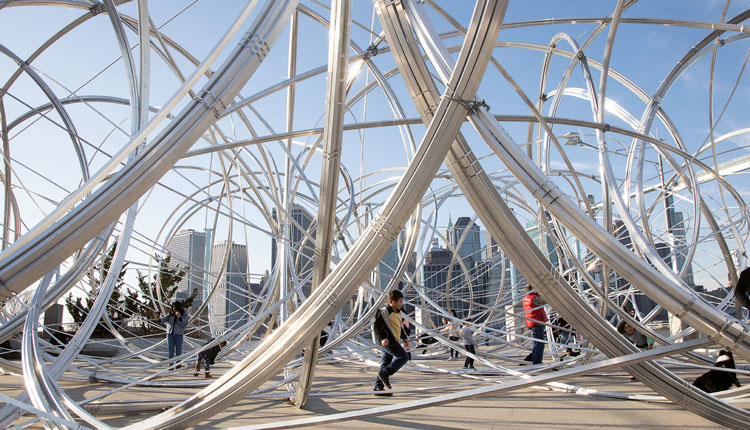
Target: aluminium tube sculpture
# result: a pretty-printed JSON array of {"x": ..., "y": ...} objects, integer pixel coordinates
[{"x": 291, "y": 162}]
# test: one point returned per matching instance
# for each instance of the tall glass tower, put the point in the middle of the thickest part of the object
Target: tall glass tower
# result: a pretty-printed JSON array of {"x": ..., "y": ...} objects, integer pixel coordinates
[
  {"x": 230, "y": 301},
  {"x": 471, "y": 247},
  {"x": 302, "y": 247},
  {"x": 188, "y": 249}
]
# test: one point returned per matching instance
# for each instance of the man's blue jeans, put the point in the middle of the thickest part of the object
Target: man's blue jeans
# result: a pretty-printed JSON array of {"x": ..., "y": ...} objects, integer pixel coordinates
[
  {"x": 206, "y": 362},
  {"x": 538, "y": 350},
  {"x": 393, "y": 358},
  {"x": 174, "y": 342}
]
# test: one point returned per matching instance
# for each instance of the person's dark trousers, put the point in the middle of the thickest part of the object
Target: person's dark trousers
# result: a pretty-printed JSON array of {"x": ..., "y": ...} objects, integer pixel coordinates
[
  {"x": 174, "y": 344},
  {"x": 469, "y": 361},
  {"x": 538, "y": 350},
  {"x": 743, "y": 300},
  {"x": 394, "y": 356},
  {"x": 454, "y": 352},
  {"x": 203, "y": 359}
]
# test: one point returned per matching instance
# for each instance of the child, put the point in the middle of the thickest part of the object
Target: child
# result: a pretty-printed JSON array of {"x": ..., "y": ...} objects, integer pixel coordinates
[
  {"x": 207, "y": 357},
  {"x": 387, "y": 330}
]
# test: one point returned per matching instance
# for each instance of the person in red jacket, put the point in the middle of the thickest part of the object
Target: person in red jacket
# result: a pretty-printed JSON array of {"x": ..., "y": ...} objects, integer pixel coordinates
[{"x": 535, "y": 317}]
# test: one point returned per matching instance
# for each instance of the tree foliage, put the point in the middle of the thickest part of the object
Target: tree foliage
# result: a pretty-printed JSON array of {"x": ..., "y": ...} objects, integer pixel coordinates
[
  {"x": 166, "y": 282},
  {"x": 79, "y": 307},
  {"x": 132, "y": 306}
]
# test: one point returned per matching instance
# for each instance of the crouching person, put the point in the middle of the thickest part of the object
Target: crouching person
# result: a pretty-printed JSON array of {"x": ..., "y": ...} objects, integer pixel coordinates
[
  {"x": 387, "y": 329},
  {"x": 207, "y": 357},
  {"x": 719, "y": 380}
]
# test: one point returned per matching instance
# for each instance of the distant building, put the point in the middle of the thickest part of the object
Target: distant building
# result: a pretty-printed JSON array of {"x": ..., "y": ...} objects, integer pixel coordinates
[
  {"x": 230, "y": 301},
  {"x": 716, "y": 296},
  {"x": 387, "y": 265},
  {"x": 256, "y": 289},
  {"x": 389, "y": 262},
  {"x": 302, "y": 247},
  {"x": 506, "y": 285},
  {"x": 644, "y": 303},
  {"x": 495, "y": 278},
  {"x": 435, "y": 279},
  {"x": 679, "y": 235},
  {"x": 187, "y": 250},
  {"x": 257, "y": 296},
  {"x": 492, "y": 247},
  {"x": 53, "y": 318},
  {"x": 547, "y": 245},
  {"x": 471, "y": 247},
  {"x": 481, "y": 277}
]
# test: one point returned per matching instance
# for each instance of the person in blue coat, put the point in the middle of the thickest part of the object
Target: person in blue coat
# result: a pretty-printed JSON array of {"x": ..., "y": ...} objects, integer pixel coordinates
[{"x": 176, "y": 321}]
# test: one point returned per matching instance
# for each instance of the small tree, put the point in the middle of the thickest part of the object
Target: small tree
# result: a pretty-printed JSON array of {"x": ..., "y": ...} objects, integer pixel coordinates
[
  {"x": 79, "y": 307},
  {"x": 169, "y": 276},
  {"x": 188, "y": 302}
]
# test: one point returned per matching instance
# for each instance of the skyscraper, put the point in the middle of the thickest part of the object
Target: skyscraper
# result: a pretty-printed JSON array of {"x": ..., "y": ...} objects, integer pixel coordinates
[
  {"x": 302, "y": 249},
  {"x": 678, "y": 226},
  {"x": 481, "y": 274},
  {"x": 387, "y": 268},
  {"x": 644, "y": 303},
  {"x": 230, "y": 301},
  {"x": 387, "y": 265},
  {"x": 471, "y": 247},
  {"x": 548, "y": 247},
  {"x": 504, "y": 284},
  {"x": 187, "y": 249},
  {"x": 435, "y": 279}
]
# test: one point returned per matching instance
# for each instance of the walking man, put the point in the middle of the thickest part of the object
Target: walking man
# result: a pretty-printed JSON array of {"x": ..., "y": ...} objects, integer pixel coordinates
[{"x": 387, "y": 329}]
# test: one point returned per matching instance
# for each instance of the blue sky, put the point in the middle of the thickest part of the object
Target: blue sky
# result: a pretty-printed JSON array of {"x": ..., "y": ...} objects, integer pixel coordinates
[{"x": 86, "y": 61}]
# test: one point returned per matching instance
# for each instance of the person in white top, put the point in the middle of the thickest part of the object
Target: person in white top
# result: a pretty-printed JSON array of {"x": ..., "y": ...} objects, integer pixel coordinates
[
  {"x": 452, "y": 331},
  {"x": 468, "y": 334}
]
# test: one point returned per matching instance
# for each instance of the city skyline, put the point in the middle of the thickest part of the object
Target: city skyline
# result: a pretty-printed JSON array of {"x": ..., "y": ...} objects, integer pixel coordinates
[{"x": 486, "y": 279}]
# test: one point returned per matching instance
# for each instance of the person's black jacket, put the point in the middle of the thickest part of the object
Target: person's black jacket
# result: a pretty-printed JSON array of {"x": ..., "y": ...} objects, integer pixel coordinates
[
  {"x": 211, "y": 353},
  {"x": 405, "y": 332},
  {"x": 743, "y": 288},
  {"x": 381, "y": 328}
]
